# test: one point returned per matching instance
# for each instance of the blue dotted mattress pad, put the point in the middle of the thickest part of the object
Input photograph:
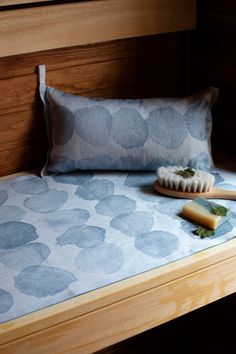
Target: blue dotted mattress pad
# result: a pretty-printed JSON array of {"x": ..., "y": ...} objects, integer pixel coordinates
[{"x": 65, "y": 235}]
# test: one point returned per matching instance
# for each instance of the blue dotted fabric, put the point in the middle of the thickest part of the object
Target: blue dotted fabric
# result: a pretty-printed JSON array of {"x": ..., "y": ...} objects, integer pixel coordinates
[
  {"x": 64, "y": 235},
  {"x": 138, "y": 134}
]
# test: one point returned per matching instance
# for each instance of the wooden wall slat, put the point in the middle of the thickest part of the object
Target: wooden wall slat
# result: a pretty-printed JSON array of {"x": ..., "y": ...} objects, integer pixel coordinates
[
  {"x": 20, "y": 2},
  {"x": 18, "y": 159},
  {"x": 89, "y": 79},
  {"x": 70, "y": 24},
  {"x": 21, "y": 127},
  {"x": 19, "y": 65}
]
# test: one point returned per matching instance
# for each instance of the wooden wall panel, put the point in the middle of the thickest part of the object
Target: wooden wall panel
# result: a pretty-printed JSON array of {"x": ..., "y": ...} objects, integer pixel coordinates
[
  {"x": 20, "y": 2},
  {"x": 138, "y": 67},
  {"x": 215, "y": 64},
  {"x": 69, "y": 24}
]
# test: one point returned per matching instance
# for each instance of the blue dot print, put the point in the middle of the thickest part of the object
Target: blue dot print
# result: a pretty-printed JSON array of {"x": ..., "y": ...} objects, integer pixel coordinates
[
  {"x": 140, "y": 179},
  {"x": 148, "y": 194},
  {"x": 157, "y": 244},
  {"x": 6, "y": 301},
  {"x": 129, "y": 129},
  {"x": 24, "y": 256},
  {"x": 65, "y": 218},
  {"x": 133, "y": 224},
  {"x": 88, "y": 118},
  {"x": 46, "y": 202},
  {"x": 75, "y": 178},
  {"x": 3, "y": 196},
  {"x": 41, "y": 281},
  {"x": 16, "y": 233},
  {"x": 106, "y": 258},
  {"x": 98, "y": 162},
  {"x": 95, "y": 189},
  {"x": 11, "y": 213},
  {"x": 115, "y": 205},
  {"x": 167, "y": 127},
  {"x": 128, "y": 163},
  {"x": 33, "y": 185},
  {"x": 170, "y": 206},
  {"x": 157, "y": 162},
  {"x": 61, "y": 164},
  {"x": 83, "y": 236},
  {"x": 195, "y": 118},
  {"x": 62, "y": 121}
]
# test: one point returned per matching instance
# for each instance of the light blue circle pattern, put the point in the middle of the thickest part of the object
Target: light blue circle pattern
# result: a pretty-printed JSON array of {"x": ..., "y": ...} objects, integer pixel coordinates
[
  {"x": 62, "y": 120},
  {"x": 74, "y": 178},
  {"x": 146, "y": 193},
  {"x": 11, "y": 213},
  {"x": 95, "y": 162},
  {"x": 24, "y": 256},
  {"x": 139, "y": 179},
  {"x": 114, "y": 205},
  {"x": 33, "y": 185},
  {"x": 46, "y": 202},
  {"x": 61, "y": 164},
  {"x": 106, "y": 258},
  {"x": 134, "y": 134},
  {"x": 128, "y": 163},
  {"x": 3, "y": 196},
  {"x": 41, "y": 281},
  {"x": 16, "y": 233},
  {"x": 6, "y": 301},
  {"x": 157, "y": 162},
  {"x": 167, "y": 127},
  {"x": 195, "y": 118},
  {"x": 170, "y": 206},
  {"x": 129, "y": 129},
  {"x": 95, "y": 189},
  {"x": 157, "y": 244},
  {"x": 90, "y": 117},
  {"x": 83, "y": 236},
  {"x": 65, "y": 218},
  {"x": 133, "y": 224}
]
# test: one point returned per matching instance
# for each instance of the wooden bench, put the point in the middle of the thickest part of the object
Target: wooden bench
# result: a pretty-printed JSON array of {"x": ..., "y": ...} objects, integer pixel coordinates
[{"x": 108, "y": 48}]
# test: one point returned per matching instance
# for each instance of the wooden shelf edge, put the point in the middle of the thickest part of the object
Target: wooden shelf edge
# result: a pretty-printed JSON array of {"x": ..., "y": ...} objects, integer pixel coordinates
[{"x": 71, "y": 24}]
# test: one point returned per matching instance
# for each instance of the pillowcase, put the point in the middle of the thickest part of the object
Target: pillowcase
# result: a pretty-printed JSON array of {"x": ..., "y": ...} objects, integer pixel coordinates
[{"x": 126, "y": 134}]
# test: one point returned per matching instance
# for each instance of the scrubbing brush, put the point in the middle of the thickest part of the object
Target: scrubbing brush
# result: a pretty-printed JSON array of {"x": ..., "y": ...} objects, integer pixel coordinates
[
  {"x": 185, "y": 179},
  {"x": 177, "y": 181}
]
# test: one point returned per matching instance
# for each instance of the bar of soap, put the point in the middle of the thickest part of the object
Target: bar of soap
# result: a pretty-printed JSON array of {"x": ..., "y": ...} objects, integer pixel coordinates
[{"x": 200, "y": 210}]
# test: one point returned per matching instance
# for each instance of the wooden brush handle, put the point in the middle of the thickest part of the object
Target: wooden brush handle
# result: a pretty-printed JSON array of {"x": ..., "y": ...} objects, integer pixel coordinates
[
  {"x": 213, "y": 193},
  {"x": 218, "y": 193}
]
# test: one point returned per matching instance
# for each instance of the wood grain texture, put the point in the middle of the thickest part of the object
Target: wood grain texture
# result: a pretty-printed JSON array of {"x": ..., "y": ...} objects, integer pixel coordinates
[
  {"x": 20, "y": 2},
  {"x": 130, "y": 68},
  {"x": 70, "y": 24},
  {"x": 129, "y": 307}
]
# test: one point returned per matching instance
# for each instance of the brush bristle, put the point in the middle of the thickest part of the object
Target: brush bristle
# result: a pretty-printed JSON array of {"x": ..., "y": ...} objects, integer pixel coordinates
[{"x": 201, "y": 181}]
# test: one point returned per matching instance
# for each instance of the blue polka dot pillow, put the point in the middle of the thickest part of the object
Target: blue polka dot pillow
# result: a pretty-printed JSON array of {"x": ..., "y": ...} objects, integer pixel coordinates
[{"x": 124, "y": 134}]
